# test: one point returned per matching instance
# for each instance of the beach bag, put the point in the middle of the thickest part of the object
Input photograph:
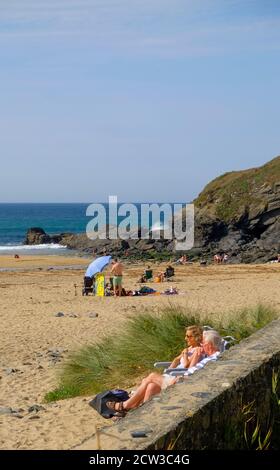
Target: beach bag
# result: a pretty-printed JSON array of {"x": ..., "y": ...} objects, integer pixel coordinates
[
  {"x": 146, "y": 290},
  {"x": 100, "y": 400}
]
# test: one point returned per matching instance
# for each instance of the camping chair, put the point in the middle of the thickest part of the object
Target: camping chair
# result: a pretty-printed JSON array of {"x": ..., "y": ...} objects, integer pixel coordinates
[
  {"x": 169, "y": 272},
  {"x": 88, "y": 285},
  {"x": 148, "y": 274}
]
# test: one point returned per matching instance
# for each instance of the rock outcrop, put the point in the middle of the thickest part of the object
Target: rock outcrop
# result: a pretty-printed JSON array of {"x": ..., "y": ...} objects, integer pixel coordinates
[
  {"x": 81, "y": 243},
  {"x": 36, "y": 236}
]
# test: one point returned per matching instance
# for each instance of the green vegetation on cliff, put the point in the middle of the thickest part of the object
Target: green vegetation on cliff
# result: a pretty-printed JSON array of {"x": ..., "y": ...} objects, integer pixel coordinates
[{"x": 235, "y": 194}]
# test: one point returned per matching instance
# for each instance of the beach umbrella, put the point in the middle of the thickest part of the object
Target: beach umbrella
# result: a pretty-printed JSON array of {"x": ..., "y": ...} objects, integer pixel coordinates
[{"x": 97, "y": 265}]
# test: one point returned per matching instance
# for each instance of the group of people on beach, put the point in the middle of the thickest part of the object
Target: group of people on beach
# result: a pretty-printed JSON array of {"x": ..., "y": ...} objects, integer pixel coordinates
[
  {"x": 183, "y": 260},
  {"x": 221, "y": 258},
  {"x": 160, "y": 276},
  {"x": 115, "y": 286},
  {"x": 200, "y": 345}
]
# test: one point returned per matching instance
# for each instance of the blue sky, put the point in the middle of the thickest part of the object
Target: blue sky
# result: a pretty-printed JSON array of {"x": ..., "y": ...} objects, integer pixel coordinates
[{"x": 145, "y": 99}]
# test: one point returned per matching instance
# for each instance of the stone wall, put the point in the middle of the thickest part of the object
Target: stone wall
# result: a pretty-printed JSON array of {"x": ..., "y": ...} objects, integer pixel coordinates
[{"x": 204, "y": 411}]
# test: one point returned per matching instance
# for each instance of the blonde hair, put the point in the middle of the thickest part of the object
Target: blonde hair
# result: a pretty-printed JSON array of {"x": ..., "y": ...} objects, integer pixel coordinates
[{"x": 197, "y": 332}]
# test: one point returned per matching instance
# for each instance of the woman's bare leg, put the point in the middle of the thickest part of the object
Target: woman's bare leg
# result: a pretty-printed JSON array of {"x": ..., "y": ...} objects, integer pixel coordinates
[
  {"x": 139, "y": 395},
  {"x": 151, "y": 391}
]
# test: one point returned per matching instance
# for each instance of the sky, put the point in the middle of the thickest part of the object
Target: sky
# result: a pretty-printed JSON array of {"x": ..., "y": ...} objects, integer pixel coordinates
[{"x": 148, "y": 100}]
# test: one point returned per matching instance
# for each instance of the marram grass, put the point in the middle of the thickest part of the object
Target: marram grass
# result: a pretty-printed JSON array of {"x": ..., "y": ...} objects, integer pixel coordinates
[{"x": 117, "y": 361}]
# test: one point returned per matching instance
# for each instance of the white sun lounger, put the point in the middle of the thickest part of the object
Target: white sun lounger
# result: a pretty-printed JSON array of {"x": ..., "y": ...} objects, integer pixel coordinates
[
  {"x": 227, "y": 341},
  {"x": 191, "y": 370}
]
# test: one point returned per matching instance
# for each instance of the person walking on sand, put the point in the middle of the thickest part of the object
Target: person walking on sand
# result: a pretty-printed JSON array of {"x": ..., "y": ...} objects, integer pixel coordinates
[{"x": 117, "y": 271}]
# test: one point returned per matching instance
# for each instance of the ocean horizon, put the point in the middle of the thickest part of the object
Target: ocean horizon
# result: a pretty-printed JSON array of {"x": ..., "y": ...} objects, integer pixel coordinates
[{"x": 53, "y": 218}]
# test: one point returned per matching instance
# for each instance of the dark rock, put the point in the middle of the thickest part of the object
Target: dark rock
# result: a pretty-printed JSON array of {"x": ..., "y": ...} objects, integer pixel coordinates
[
  {"x": 10, "y": 370},
  {"x": 55, "y": 353},
  {"x": 59, "y": 314},
  {"x": 36, "y": 236},
  {"x": 36, "y": 408},
  {"x": 18, "y": 410}
]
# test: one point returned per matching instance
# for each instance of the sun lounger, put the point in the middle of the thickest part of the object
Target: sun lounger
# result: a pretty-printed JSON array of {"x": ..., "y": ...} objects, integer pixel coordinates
[
  {"x": 192, "y": 370},
  {"x": 227, "y": 341}
]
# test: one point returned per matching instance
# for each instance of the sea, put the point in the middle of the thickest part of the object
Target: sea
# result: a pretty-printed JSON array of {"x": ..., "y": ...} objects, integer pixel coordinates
[{"x": 54, "y": 218}]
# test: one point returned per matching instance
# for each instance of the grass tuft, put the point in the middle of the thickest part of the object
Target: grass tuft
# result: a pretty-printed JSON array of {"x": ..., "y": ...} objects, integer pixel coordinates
[{"x": 117, "y": 361}]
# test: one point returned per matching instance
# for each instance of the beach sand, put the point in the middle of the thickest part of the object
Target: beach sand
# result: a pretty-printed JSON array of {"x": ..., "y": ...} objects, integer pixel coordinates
[{"x": 31, "y": 333}]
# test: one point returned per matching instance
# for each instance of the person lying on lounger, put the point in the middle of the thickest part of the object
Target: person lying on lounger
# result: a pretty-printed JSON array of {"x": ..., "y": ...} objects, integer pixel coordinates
[
  {"x": 182, "y": 260},
  {"x": 154, "y": 383}
]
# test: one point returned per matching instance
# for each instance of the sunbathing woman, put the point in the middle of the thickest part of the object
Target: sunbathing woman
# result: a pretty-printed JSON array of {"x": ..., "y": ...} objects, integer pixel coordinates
[{"x": 154, "y": 383}]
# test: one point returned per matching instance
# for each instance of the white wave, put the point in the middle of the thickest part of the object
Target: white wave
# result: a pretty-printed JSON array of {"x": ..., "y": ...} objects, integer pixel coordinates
[
  {"x": 52, "y": 246},
  {"x": 159, "y": 226}
]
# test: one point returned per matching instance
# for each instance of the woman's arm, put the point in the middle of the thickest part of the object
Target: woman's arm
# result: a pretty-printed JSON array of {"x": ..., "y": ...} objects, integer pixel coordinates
[
  {"x": 197, "y": 355},
  {"x": 175, "y": 362},
  {"x": 186, "y": 359}
]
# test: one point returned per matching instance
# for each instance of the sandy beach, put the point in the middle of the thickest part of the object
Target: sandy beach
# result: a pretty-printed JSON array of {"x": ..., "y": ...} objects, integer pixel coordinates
[{"x": 34, "y": 342}]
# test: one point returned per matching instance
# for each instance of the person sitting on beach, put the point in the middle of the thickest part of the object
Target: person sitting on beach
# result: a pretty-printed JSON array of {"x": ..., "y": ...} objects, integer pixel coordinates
[
  {"x": 217, "y": 259},
  {"x": 171, "y": 291},
  {"x": 154, "y": 383},
  {"x": 16, "y": 256},
  {"x": 225, "y": 258},
  {"x": 147, "y": 275},
  {"x": 108, "y": 289},
  {"x": 117, "y": 271},
  {"x": 159, "y": 277},
  {"x": 169, "y": 272},
  {"x": 182, "y": 260}
]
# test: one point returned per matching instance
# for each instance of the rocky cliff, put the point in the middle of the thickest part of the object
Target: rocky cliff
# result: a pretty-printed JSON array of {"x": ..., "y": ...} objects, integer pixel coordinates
[{"x": 238, "y": 213}]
